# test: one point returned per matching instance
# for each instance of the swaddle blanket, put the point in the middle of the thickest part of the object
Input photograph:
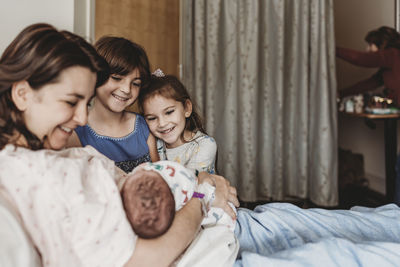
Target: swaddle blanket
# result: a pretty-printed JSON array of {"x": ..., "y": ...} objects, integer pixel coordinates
[
  {"x": 215, "y": 244},
  {"x": 69, "y": 204},
  {"x": 182, "y": 183}
]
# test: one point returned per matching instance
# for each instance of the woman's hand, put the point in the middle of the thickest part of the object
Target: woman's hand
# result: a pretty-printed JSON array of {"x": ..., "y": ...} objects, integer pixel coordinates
[{"x": 224, "y": 193}]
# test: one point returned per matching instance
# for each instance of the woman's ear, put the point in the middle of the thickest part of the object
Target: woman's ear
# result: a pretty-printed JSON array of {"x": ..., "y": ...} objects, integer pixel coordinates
[
  {"x": 188, "y": 108},
  {"x": 20, "y": 92}
]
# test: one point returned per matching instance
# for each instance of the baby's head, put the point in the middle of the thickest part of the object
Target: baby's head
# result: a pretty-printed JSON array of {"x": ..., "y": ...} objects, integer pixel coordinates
[{"x": 148, "y": 202}]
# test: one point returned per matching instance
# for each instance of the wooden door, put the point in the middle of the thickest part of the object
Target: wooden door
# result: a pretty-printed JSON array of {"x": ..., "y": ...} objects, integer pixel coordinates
[{"x": 154, "y": 24}]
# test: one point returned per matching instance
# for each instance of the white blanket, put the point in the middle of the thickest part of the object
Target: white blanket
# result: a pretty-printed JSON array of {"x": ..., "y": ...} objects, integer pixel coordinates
[{"x": 214, "y": 246}]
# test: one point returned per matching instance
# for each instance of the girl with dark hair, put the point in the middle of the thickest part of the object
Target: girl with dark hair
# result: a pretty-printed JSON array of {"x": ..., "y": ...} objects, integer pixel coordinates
[
  {"x": 120, "y": 135},
  {"x": 173, "y": 118},
  {"x": 383, "y": 52}
]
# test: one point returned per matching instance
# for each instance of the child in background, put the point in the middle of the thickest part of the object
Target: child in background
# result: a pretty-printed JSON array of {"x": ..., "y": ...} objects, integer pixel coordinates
[
  {"x": 172, "y": 118},
  {"x": 153, "y": 191},
  {"x": 121, "y": 135}
]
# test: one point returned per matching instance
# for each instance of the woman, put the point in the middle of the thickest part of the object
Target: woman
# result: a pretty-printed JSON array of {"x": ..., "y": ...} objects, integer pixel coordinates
[
  {"x": 47, "y": 79},
  {"x": 383, "y": 52}
]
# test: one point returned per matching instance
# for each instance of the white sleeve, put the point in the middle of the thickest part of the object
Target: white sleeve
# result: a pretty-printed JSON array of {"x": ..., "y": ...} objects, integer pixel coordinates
[
  {"x": 204, "y": 155},
  {"x": 16, "y": 248}
]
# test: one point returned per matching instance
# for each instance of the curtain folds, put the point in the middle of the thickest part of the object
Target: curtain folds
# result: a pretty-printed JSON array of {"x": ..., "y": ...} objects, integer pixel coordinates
[{"x": 263, "y": 74}]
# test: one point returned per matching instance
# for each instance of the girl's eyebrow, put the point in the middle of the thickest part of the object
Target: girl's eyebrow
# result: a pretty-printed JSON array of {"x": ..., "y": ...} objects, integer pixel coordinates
[
  {"x": 169, "y": 107},
  {"x": 147, "y": 114}
]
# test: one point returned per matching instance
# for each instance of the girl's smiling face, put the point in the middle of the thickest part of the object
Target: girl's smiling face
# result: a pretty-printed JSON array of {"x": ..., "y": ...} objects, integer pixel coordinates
[
  {"x": 55, "y": 110},
  {"x": 119, "y": 92},
  {"x": 166, "y": 118}
]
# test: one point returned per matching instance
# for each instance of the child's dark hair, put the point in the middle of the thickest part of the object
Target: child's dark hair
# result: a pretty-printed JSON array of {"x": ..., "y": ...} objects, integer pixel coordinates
[
  {"x": 170, "y": 87},
  {"x": 124, "y": 56},
  {"x": 384, "y": 37}
]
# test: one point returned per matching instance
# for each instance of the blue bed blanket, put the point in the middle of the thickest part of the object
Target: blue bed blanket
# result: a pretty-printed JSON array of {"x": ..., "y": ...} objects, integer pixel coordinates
[{"x": 281, "y": 234}]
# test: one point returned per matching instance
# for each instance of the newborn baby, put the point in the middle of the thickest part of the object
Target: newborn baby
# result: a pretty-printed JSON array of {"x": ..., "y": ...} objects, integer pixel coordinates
[
  {"x": 154, "y": 191},
  {"x": 148, "y": 202}
]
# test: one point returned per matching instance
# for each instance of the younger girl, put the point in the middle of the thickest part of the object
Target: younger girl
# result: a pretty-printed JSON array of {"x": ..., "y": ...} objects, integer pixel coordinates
[
  {"x": 121, "y": 135},
  {"x": 172, "y": 117}
]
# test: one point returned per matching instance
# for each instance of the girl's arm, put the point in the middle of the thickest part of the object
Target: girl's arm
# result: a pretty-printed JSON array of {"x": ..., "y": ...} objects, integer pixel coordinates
[
  {"x": 73, "y": 140},
  {"x": 152, "y": 144},
  {"x": 379, "y": 59}
]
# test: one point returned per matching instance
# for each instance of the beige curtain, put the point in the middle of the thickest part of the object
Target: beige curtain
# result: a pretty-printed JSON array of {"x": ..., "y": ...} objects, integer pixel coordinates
[{"x": 263, "y": 73}]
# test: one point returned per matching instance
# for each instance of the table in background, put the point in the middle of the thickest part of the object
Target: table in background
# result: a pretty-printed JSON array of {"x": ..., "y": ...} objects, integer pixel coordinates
[{"x": 390, "y": 136}]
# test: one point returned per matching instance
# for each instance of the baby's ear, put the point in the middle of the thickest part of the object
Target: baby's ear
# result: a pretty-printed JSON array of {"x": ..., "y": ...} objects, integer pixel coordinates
[
  {"x": 20, "y": 93},
  {"x": 188, "y": 108}
]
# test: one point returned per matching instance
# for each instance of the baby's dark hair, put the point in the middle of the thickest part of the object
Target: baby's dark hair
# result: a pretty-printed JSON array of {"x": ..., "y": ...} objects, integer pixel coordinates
[
  {"x": 150, "y": 206},
  {"x": 384, "y": 37},
  {"x": 169, "y": 86},
  {"x": 124, "y": 56}
]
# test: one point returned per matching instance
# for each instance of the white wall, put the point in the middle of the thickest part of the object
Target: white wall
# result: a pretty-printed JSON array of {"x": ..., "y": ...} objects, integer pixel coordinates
[
  {"x": 353, "y": 20},
  {"x": 71, "y": 15}
]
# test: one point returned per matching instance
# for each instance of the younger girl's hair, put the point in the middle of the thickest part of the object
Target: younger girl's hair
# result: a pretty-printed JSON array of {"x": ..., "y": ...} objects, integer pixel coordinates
[
  {"x": 170, "y": 87},
  {"x": 124, "y": 56},
  {"x": 384, "y": 37},
  {"x": 38, "y": 55}
]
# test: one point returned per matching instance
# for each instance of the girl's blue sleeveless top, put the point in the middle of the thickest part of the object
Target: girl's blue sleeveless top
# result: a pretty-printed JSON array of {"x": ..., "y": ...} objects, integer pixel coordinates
[{"x": 127, "y": 152}]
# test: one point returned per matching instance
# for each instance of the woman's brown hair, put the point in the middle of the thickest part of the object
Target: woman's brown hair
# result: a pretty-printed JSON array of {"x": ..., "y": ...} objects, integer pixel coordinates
[
  {"x": 38, "y": 55},
  {"x": 384, "y": 37}
]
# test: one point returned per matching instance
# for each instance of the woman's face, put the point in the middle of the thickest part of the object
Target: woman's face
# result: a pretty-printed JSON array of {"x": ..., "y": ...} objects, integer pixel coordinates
[
  {"x": 56, "y": 109},
  {"x": 372, "y": 48},
  {"x": 119, "y": 92}
]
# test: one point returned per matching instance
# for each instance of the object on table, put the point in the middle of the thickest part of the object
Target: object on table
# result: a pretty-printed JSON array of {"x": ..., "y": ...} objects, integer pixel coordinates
[
  {"x": 381, "y": 105},
  {"x": 349, "y": 106},
  {"x": 358, "y": 103}
]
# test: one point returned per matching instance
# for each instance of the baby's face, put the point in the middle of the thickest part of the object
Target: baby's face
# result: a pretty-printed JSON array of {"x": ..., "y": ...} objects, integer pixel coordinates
[{"x": 149, "y": 203}]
